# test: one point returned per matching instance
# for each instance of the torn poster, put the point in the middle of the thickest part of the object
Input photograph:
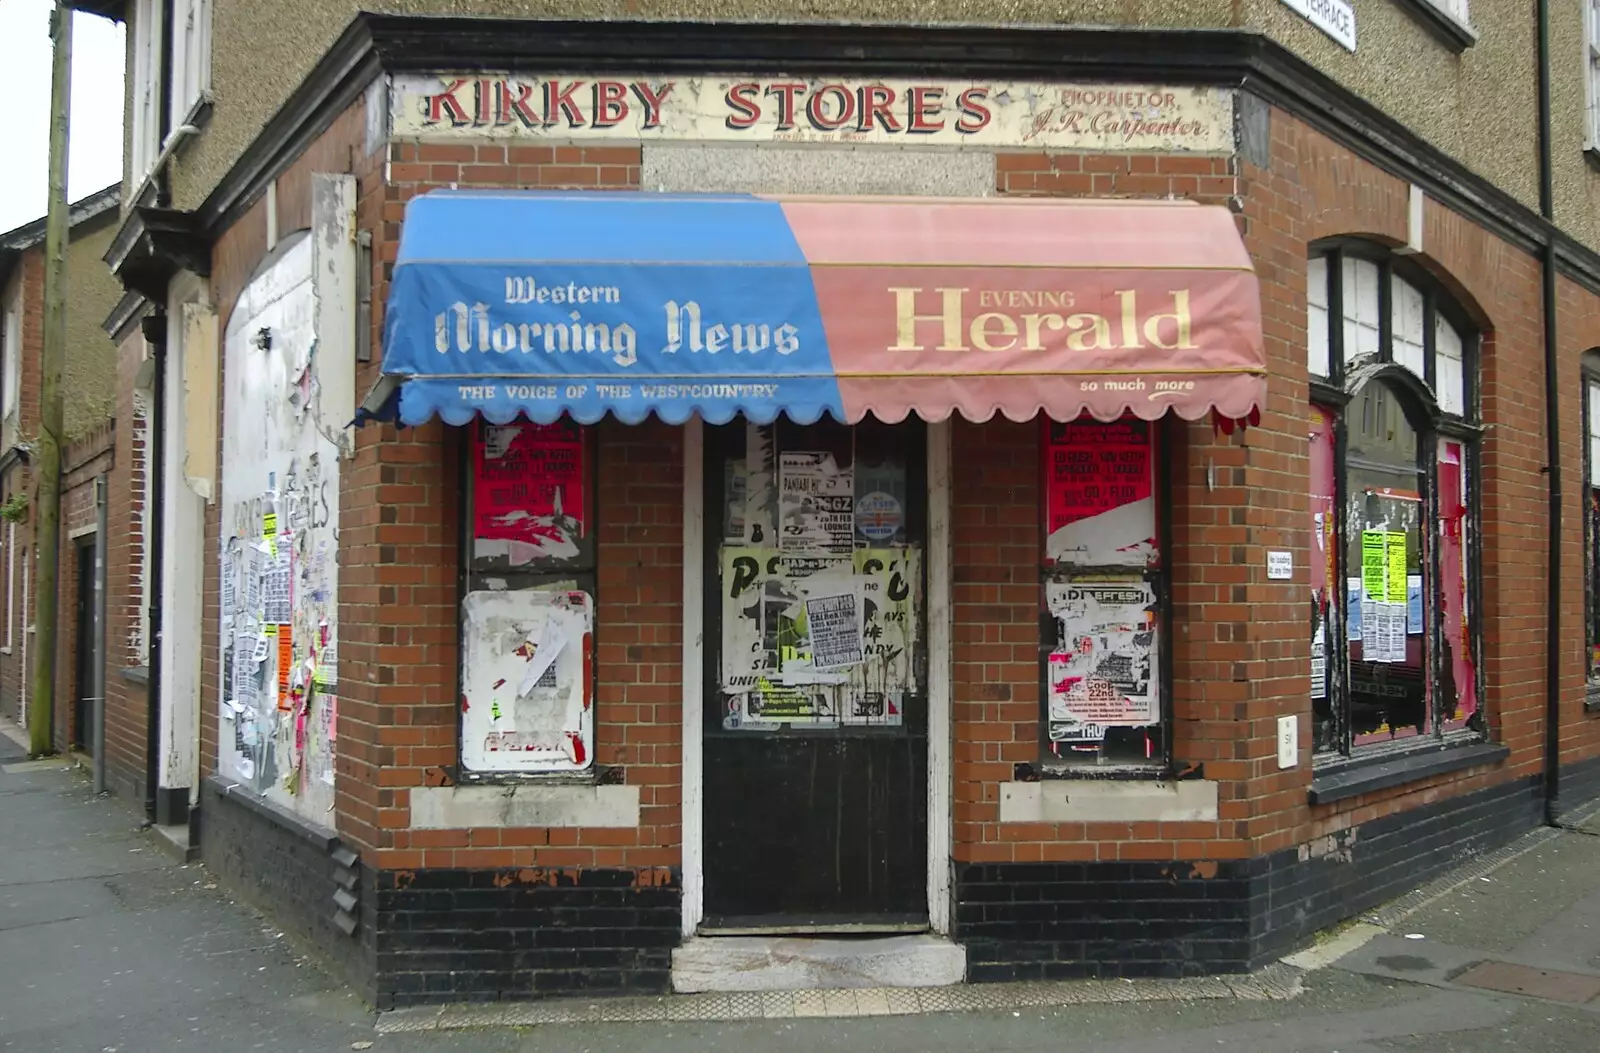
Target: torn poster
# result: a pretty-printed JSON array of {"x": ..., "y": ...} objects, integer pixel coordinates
[
  {"x": 1319, "y": 663},
  {"x": 816, "y": 504},
  {"x": 833, "y": 621},
  {"x": 1103, "y": 672},
  {"x": 1099, "y": 483},
  {"x": 285, "y": 663},
  {"x": 819, "y": 639},
  {"x": 525, "y": 680},
  {"x": 275, "y": 599},
  {"x": 529, "y": 487}
]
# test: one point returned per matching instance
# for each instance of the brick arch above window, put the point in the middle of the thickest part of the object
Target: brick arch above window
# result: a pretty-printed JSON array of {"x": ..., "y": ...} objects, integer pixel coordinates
[{"x": 1368, "y": 307}]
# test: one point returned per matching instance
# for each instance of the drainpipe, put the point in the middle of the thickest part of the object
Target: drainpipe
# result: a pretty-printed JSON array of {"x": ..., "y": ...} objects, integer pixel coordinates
[
  {"x": 155, "y": 332},
  {"x": 1552, "y": 435}
]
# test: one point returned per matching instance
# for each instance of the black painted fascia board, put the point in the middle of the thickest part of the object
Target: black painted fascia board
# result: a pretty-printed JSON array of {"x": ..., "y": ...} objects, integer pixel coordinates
[{"x": 374, "y": 44}]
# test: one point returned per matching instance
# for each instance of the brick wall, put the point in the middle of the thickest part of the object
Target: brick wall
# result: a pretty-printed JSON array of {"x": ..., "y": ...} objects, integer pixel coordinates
[
  {"x": 126, "y": 697},
  {"x": 82, "y": 462}
]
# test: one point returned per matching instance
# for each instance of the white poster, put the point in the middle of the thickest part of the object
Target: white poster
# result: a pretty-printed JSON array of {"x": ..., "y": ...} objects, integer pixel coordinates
[
  {"x": 525, "y": 698},
  {"x": 816, "y": 504},
  {"x": 1104, "y": 671}
]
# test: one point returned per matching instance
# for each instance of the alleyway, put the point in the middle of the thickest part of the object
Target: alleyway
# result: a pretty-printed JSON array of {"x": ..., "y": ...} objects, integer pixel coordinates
[{"x": 108, "y": 945}]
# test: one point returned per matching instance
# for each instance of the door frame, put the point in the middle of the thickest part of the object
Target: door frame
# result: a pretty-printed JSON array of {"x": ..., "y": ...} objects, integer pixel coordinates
[{"x": 940, "y": 631}]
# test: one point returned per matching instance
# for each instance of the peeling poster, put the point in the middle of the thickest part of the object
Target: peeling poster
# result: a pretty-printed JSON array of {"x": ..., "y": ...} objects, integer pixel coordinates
[
  {"x": 818, "y": 639},
  {"x": 529, "y": 485},
  {"x": 1103, "y": 672},
  {"x": 526, "y": 702},
  {"x": 1099, "y": 484},
  {"x": 816, "y": 504}
]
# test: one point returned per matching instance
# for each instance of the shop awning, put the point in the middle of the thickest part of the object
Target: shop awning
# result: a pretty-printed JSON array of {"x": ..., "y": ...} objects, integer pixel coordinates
[{"x": 509, "y": 303}]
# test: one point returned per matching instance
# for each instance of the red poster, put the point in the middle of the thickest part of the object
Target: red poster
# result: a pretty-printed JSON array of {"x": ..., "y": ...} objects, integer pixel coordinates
[
  {"x": 529, "y": 486},
  {"x": 1099, "y": 488}
]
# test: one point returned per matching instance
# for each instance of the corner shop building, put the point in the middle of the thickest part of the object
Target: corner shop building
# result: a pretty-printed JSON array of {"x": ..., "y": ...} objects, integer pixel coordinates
[{"x": 774, "y": 562}]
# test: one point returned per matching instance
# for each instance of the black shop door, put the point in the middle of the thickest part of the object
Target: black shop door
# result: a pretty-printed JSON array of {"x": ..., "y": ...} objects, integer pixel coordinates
[{"x": 816, "y": 732}]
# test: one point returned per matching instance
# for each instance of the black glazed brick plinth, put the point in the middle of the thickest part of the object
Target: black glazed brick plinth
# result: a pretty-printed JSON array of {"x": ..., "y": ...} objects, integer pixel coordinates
[
  {"x": 458, "y": 935},
  {"x": 1042, "y": 921},
  {"x": 1580, "y": 785},
  {"x": 285, "y": 867},
  {"x": 1048, "y": 921}
]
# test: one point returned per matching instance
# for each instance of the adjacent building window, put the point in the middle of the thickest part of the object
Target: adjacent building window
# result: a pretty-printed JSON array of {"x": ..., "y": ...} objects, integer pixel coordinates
[
  {"x": 10, "y": 369},
  {"x": 1393, "y": 433},
  {"x": 144, "y": 98},
  {"x": 1591, "y": 69},
  {"x": 527, "y": 648},
  {"x": 1591, "y": 514},
  {"x": 1104, "y": 595},
  {"x": 191, "y": 57}
]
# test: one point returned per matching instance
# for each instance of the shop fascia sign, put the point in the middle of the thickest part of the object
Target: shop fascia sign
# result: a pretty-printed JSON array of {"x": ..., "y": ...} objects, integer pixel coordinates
[
  {"x": 733, "y": 109},
  {"x": 1337, "y": 18}
]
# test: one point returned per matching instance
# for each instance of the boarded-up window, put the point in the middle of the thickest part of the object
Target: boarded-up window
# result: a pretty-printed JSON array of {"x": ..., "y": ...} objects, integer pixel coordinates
[
  {"x": 527, "y": 620},
  {"x": 1104, "y": 594}
]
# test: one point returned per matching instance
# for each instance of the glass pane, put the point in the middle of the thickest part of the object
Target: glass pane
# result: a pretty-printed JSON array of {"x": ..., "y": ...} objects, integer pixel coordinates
[
  {"x": 821, "y": 580},
  {"x": 1594, "y": 581},
  {"x": 1317, "y": 316},
  {"x": 1384, "y": 486},
  {"x": 1450, "y": 381},
  {"x": 1407, "y": 326},
  {"x": 1457, "y": 683},
  {"x": 1325, "y": 598},
  {"x": 1361, "y": 312}
]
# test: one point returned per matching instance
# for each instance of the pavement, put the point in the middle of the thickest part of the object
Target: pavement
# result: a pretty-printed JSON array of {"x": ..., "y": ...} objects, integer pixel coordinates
[{"x": 110, "y": 944}]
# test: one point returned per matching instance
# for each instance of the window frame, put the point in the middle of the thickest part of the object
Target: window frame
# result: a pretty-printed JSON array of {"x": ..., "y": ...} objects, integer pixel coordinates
[
  {"x": 1589, "y": 377},
  {"x": 1157, "y": 573},
  {"x": 191, "y": 58},
  {"x": 11, "y": 364},
  {"x": 583, "y": 569},
  {"x": 145, "y": 70},
  {"x": 1591, "y": 74},
  {"x": 1335, "y": 394}
]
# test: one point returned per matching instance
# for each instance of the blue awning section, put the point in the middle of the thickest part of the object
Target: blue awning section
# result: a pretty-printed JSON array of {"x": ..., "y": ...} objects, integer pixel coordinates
[{"x": 507, "y": 304}]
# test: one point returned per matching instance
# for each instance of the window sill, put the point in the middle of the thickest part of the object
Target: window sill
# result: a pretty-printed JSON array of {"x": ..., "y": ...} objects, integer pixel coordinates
[
  {"x": 1591, "y": 154},
  {"x": 321, "y": 837},
  {"x": 1591, "y": 699},
  {"x": 1092, "y": 772},
  {"x": 1451, "y": 31},
  {"x": 597, "y": 775},
  {"x": 136, "y": 674},
  {"x": 1356, "y": 777}
]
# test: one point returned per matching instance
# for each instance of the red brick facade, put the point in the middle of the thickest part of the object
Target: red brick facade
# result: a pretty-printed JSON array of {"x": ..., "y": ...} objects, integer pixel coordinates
[{"x": 1240, "y": 651}]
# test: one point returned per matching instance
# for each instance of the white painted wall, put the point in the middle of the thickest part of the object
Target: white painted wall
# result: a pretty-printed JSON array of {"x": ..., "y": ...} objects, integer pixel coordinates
[
  {"x": 182, "y": 552},
  {"x": 287, "y": 398}
]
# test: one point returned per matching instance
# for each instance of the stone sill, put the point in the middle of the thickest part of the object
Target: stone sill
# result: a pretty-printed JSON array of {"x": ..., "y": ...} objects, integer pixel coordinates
[{"x": 1354, "y": 778}]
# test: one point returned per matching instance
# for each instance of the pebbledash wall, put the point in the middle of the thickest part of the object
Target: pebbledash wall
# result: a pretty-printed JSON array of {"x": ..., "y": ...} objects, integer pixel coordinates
[{"x": 1215, "y": 869}]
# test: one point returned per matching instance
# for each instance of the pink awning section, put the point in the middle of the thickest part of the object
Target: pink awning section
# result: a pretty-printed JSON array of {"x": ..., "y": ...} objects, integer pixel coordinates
[{"x": 1028, "y": 306}]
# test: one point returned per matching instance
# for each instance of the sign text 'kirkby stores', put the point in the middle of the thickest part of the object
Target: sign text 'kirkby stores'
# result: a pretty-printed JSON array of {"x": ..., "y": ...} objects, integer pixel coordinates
[{"x": 994, "y": 114}]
